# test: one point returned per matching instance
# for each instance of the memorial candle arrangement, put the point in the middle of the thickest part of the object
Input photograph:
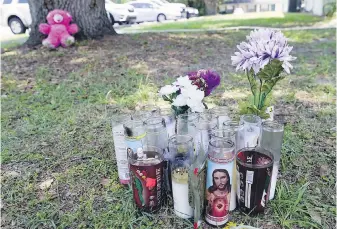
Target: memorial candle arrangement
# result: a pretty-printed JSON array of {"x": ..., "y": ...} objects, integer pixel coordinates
[
  {"x": 220, "y": 166},
  {"x": 209, "y": 163}
]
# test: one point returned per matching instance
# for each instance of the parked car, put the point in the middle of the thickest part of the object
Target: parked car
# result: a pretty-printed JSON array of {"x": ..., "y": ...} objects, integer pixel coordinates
[
  {"x": 16, "y": 15},
  {"x": 191, "y": 12},
  {"x": 186, "y": 12},
  {"x": 120, "y": 13},
  {"x": 150, "y": 11},
  {"x": 178, "y": 6}
]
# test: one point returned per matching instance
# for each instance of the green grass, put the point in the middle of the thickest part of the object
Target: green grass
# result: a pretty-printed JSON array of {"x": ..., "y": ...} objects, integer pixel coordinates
[
  {"x": 13, "y": 43},
  {"x": 57, "y": 129},
  {"x": 215, "y": 22}
]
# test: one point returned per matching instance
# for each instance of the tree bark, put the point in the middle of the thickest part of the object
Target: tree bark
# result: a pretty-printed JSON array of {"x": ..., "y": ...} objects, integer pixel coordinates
[
  {"x": 211, "y": 7},
  {"x": 90, "y": 16}
]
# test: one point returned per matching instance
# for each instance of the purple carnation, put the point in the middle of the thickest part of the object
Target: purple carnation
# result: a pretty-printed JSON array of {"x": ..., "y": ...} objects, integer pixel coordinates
[{"x": 206, "y": 79}]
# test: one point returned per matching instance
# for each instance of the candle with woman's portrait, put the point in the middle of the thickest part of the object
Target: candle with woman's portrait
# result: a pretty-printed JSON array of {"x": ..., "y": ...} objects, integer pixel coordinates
[{"x": 219, "y": 180}]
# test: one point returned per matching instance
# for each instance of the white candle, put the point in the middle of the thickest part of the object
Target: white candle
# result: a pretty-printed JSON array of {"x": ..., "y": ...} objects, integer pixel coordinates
[
  {"x": 182, "y": 207},
  {"x": 274, "y": 173},
  {"x": 121, "y": 155}
]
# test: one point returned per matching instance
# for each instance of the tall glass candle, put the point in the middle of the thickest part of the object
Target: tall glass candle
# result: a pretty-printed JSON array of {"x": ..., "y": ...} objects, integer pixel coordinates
[
  {"x": 186, "y": 124},
  {"x": 146, "y": 170},
  {"x": 170, "y": 121},
  {"x": 204, "y": 127},
  {"x": 181, "y": 147},
  {"x": 219, "y": 180},
  {"x": 221, "y": 114},
  {"x": 271, "y": 140},
  {"x": 230, "y": 134},
  {"x": 251, "y": 128},
  {"x": 238, "y": 128},
  {"x": 120, "y": 147},
  {"x": 153, "y": 109},
  {"x": 140, "y": 115},
  {"x": 254, "y": 166},
  {"x": 156, "y": 132},
  {"x": 156, "y": 135},
  {"x": 135, "y": 137}
]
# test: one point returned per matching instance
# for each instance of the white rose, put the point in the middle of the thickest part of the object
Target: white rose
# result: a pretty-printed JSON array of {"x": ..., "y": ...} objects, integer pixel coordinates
[
  {"x": 168, "y": 89},
  {"x": 183, "y": 81},
  {"x": 179, "y": 101},
  {"x": 197, "y": 107}
]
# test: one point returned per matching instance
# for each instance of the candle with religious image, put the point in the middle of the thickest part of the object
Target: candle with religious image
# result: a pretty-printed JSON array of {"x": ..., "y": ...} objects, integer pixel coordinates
[
  {"x": 231, "y": 132},
  {"x": 146, "y": 169},
  {"x": 219, "y": 180}
]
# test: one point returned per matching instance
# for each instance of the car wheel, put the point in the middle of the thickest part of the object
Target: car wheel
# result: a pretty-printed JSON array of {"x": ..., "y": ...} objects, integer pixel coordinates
[
  {"x": 16, "y": 25},
  {"x": 112, "y": 19},
  {"x": 161, "y": 18}
]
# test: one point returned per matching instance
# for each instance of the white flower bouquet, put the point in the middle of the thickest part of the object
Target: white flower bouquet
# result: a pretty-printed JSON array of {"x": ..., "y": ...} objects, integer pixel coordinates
[
  {"x": 188, "y": 92},
  {"x": 264, "y": 57}
]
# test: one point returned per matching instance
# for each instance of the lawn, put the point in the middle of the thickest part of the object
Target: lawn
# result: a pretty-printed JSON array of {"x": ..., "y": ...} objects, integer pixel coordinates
[
  {"x": 249, "y": 19},
  {"x": 54, "y": 127}
]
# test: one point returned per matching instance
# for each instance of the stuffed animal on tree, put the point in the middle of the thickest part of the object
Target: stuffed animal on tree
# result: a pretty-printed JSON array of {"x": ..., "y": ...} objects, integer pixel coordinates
[{"x": 58, "y": 29}]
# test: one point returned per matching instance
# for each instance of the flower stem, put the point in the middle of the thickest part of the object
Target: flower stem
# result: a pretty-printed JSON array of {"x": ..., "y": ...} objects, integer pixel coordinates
[{"x": 259, "y": 106}]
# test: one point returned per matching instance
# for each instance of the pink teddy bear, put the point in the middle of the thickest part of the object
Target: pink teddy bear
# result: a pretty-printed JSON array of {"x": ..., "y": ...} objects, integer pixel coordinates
[{"x": 58, "y": 29}]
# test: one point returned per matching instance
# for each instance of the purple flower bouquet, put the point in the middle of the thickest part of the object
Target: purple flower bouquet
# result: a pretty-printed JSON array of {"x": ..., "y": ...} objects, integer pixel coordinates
[{"x": 264, "y": 57}]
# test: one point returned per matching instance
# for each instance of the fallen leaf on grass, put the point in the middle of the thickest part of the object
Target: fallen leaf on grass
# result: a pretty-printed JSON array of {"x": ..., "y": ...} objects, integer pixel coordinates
[
  {"x": 105, "y": 181},
  {"x": 46, "y": 184}
]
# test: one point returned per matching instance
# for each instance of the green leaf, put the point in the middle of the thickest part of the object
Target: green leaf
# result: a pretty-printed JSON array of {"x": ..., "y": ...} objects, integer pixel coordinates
[
  {"x": 271, "y": 70},
  {"x": 266, "y": 87}
]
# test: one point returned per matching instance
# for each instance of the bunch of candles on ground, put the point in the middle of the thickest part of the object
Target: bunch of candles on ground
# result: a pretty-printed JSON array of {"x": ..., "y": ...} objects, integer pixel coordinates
[{"x": 208, "y": 163}]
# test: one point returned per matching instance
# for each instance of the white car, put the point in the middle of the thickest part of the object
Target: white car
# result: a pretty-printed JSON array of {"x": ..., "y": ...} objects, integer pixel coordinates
[
  {"x": 186, "y": 12},
  {"x": 150, "y": 11},
  {"x": 120, "y": 13},
  {"x": 191, "y": 12},
  {"x": 16, "y": 15},
  {"x": 178, "y": 6}
]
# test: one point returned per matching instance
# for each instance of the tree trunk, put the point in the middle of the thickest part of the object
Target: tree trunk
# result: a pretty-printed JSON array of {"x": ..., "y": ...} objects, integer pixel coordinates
[
  {"x": 90, "y": 16},
  {"x": 211, "y": 7}
]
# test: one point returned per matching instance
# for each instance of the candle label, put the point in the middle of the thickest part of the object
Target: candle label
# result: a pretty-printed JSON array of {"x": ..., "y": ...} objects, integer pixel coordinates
[
  {"x": 253, "y": 183},
  {"x": 218, "y": 189},
  {"x": 146, "y": 183},
  {"x": 121, "y": 155},
  {"x": 135, "y": 145}
]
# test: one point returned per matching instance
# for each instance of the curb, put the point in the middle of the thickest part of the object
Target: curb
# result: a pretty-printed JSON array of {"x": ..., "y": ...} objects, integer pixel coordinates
[{"x": 224, "y": 29}]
